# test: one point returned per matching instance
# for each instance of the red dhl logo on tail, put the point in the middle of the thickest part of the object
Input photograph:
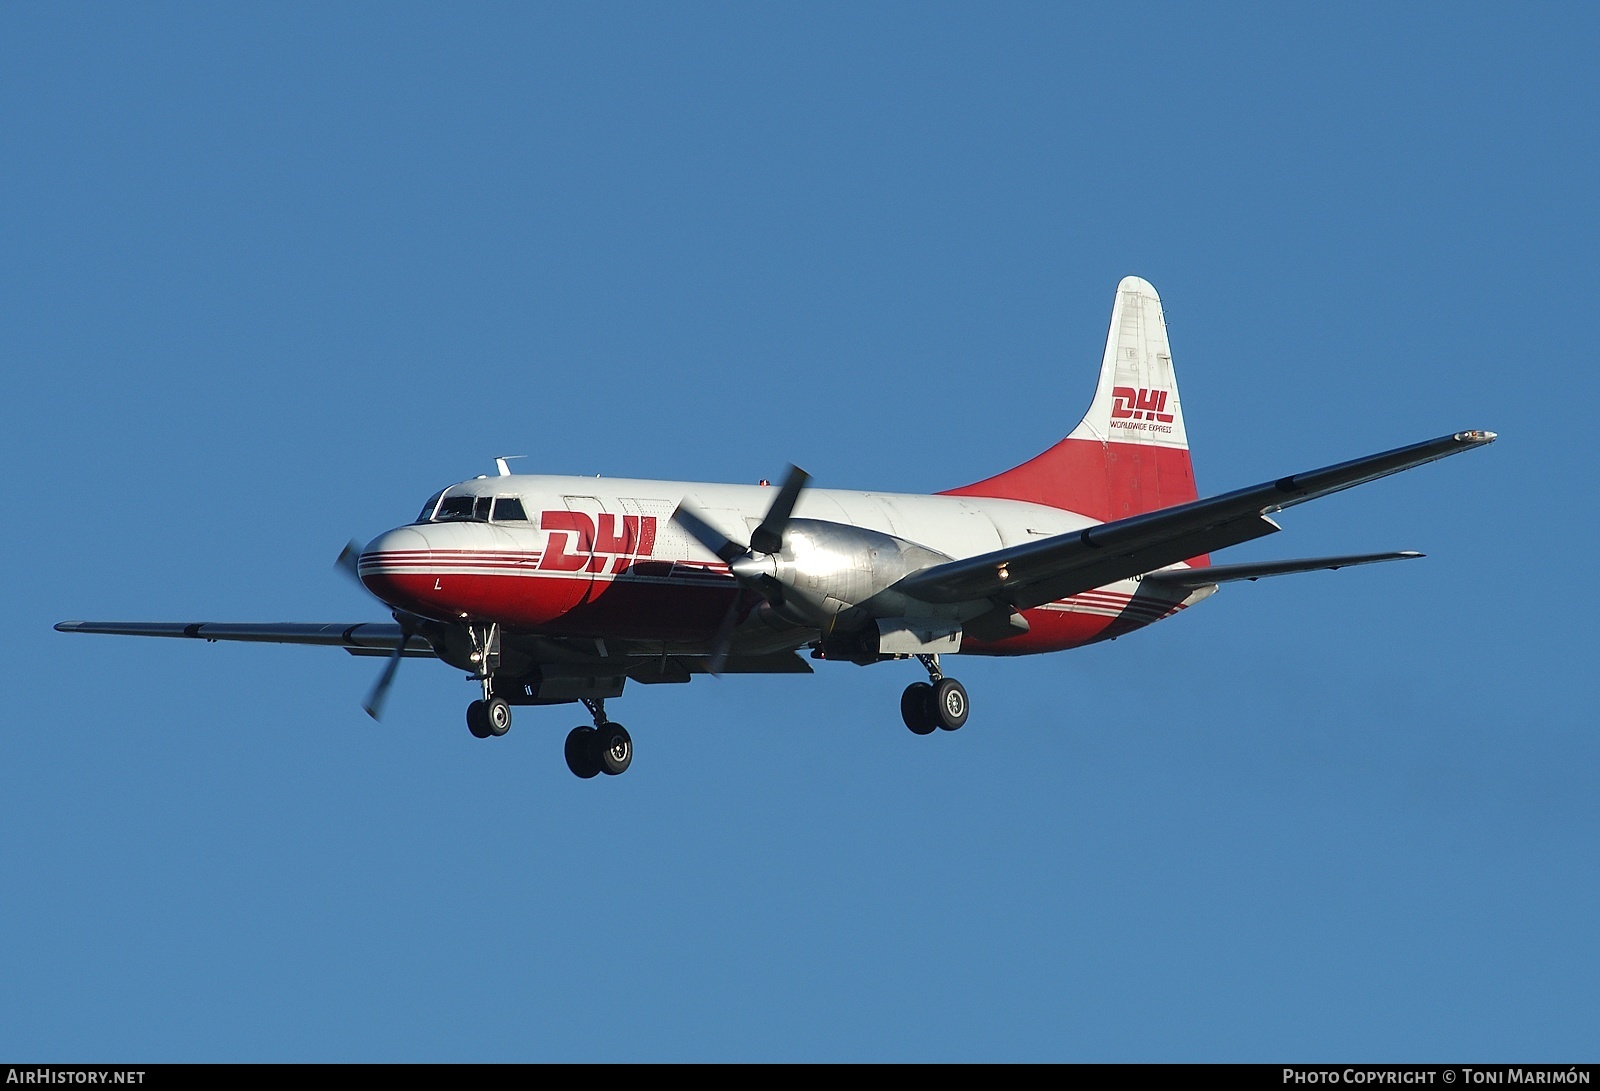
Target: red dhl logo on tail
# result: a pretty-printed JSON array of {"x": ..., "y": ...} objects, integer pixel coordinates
[
  {"x": 575, "y": 543},
  {"x": 1141, "y": 404}
]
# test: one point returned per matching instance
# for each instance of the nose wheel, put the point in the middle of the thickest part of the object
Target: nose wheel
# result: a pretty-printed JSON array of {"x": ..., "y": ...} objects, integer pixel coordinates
[
  {"x": 489, "y": 719},
  {"x": 939, "y": 703}
]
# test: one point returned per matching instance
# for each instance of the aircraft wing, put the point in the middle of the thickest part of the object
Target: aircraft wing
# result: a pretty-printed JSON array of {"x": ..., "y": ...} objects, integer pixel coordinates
[
  {"x": 1034, "y": 573},
  {"x": 362, "y": 638}
]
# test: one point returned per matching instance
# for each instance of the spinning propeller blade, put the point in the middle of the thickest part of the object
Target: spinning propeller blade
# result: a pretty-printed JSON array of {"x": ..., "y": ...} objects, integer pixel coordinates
[
  {"x": 349, "y": 563},
  {"x": 752, "y": 566},
  {"x": 768, "y": 537},
  {"x": 724, "y": 639},
  {"x": 707, "y": 535},
  {"x": 373, "y": 705}
]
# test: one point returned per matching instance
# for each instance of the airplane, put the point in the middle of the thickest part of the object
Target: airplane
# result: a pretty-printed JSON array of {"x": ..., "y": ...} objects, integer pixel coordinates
[{"x": 559, "y": 590}]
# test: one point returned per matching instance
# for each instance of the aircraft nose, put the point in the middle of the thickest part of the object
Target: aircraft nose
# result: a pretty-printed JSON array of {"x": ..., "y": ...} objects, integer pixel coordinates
[{"x": 391, "y": 554}]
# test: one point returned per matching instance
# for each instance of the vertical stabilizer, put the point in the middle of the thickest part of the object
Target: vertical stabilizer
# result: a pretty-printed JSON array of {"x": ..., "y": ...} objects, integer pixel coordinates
[{"x": 1129, "y": 454}]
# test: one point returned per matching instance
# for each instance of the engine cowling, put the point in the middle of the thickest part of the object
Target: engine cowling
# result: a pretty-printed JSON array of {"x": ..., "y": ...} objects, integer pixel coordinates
[{"x": 826, "y": 569}]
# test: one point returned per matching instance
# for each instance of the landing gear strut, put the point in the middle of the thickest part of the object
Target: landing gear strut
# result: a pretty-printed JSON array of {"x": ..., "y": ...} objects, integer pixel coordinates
[
  {"x": 490, "y": 717},
  {"x": 604, "y": 748},
  {"x": 939, "y": 702}
]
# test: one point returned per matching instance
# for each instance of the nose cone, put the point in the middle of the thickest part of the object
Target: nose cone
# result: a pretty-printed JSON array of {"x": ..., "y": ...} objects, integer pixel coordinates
[{"x": 390, "y": 557}]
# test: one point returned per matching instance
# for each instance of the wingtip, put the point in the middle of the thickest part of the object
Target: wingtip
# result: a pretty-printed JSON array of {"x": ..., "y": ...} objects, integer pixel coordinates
[
  {"x": 1476, "y": 436},
  {"x": 67, "y": 626}
]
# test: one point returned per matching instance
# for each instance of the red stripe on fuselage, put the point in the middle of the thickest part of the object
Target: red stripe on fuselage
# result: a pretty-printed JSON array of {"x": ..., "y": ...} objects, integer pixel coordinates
[{"x": 661, "y": 600}]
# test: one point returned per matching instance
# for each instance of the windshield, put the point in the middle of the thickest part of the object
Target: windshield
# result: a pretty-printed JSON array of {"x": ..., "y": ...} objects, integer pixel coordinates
[
  {"x": 509, "y": 509},
  {"x": 427, "y": 509},
  {"x": 446, "y": 507},
  {"x": 454, "y": 509}
]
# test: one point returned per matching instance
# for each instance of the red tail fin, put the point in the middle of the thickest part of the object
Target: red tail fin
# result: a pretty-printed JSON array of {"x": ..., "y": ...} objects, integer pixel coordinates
[{"x": 1129, "y": 454}]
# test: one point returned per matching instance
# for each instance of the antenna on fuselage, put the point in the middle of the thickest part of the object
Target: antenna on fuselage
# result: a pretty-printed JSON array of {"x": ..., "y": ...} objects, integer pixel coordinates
[{"x": 500, "y": 463}]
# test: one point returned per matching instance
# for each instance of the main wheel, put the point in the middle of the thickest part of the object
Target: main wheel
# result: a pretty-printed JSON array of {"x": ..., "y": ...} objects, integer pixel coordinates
[
  {"x": 478, "y": 720},
  {"x": 497, "y": 716},
  {"x": 948, "y": 704},
  {"x": 914, "y": 708},
  {"x": 583, "y": 756},
  {"x": 614, "y": 746}
]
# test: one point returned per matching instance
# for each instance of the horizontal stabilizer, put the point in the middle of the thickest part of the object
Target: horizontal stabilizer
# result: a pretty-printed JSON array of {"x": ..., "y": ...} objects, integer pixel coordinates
[
  {"x": 1223, "y": 573},
  {"x": 361, "y": 638}
]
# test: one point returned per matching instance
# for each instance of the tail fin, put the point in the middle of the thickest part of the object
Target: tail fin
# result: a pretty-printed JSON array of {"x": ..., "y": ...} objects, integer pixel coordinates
[{"x": 1129, "y": 454}]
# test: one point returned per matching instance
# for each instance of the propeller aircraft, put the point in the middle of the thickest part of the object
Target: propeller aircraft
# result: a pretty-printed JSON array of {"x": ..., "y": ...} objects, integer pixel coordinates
[{"x": 556, "y": 590}]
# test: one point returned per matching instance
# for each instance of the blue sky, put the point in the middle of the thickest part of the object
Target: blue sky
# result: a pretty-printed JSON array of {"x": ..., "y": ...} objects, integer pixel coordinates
[{"x": 269, "y": 277}]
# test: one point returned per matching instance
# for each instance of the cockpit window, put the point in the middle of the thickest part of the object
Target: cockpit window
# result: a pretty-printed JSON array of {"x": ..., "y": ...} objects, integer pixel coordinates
[
  {"x": 427, "y": 509},
  {"x": 509, "y": 509},
  {"x": 447, "y": 507},
  {"x": 454, "y": 508}
]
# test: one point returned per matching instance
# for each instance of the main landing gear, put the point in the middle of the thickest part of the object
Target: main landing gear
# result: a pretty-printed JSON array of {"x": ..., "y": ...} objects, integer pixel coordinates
[
  {"x": 604, "y": 748},
  {"x": 939, "y": 702}
]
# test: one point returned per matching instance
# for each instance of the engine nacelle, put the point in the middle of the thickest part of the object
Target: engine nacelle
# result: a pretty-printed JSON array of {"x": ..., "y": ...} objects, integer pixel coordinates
[{"x": 827, "y": 568}]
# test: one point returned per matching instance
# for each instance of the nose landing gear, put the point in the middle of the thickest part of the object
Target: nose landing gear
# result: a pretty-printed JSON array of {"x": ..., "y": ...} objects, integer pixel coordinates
[
  {"x": 490, "y": 717},
  {"x": 939, "y": 702}
]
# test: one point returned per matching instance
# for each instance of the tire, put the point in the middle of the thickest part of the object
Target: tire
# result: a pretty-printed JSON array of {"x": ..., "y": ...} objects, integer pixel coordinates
[
  {"x": 497, "y": 716},
  {"x": 583, "y": 757},
  {"x": 948, "y": 705},
  {"x": 914, "y": 708},
  {"x": 477, "y": 720},
  {"x": 613, "y": 748}
]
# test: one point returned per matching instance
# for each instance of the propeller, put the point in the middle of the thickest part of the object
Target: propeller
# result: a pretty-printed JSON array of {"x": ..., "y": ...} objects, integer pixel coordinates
[
  {"x": 349, "y": 563},
  {"x": 755, "y": 565},
  {"x": 373, "y": 705},
  {"x": 768, "y": 537}
]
